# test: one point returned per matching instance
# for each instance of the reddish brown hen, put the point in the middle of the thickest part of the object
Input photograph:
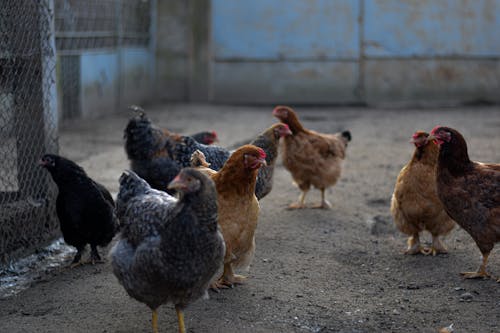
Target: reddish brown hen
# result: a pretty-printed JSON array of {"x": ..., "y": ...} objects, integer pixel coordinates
[{"x": 469, "y": 191}]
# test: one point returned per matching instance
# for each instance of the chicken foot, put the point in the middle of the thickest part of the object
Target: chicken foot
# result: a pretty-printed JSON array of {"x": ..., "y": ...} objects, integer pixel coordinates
[
  {"x": 229, "y": 279},
  {"x": 77, "y": 260},
  {"x": 324, "y": 204},
  {"x": 299, "y": 204},
  {"x": 481, "y": 272},
  {"x": 437, "y": 247},
  {"x": 94, "y": 255},
  {"x": 414, "y": 246}
]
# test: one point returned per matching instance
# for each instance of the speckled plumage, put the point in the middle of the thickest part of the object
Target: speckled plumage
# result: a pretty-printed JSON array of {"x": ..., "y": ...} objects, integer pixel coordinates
[
  {"x": 268, "y": 141},
  {"x": 182, "y": 151},
  {"x": 169, "y": 249}
]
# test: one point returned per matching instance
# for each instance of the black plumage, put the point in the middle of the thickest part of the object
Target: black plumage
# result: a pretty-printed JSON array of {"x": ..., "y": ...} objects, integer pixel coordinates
[
  {"x": 84, "y": 207},
  {"x": 169, "y": 249}
]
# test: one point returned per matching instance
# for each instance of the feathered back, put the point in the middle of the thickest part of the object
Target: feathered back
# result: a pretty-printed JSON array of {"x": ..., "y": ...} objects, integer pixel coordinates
[{"x": 183, "y": 150}]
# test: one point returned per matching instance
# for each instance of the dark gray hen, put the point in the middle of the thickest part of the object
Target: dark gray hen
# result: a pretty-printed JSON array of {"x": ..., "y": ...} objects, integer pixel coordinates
[
  {"x": 84, "y": 207},
  {"x": 169, "y": 249},
  {"x": 182, "y": 150}
]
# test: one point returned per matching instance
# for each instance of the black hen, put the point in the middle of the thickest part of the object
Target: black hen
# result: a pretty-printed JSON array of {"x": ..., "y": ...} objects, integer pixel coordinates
[
  {"x": 169, "y": 249},
  {"x": 84, "y": 207}
]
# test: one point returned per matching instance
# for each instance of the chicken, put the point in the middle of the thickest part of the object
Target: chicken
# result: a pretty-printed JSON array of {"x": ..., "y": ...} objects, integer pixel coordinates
[
  {"x": 205, "y": 137},
  {"x": 148, "y": 150},
  {"x": 186, "y": 146},
  {"x": 84, "y": 207},
  {"x": 415, "y": 205},
  {"x": 268, "y": 141},
  {"x": 238, "y": 208},
  {"x": 169, "y": 249},
  {"x": 312, "y": 158},
  {"x": 469, "y": 191}
]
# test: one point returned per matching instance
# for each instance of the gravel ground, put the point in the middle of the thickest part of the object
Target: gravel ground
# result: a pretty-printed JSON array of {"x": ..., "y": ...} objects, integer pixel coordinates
[{"x": 338, "y": 270}]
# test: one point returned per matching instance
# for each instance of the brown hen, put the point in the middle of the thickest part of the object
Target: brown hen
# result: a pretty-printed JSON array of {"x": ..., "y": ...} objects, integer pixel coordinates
[
  {"x": 415, "y": 205},
  {"x": 238, "y": 207},
  {"x": 313, "y": 159}
]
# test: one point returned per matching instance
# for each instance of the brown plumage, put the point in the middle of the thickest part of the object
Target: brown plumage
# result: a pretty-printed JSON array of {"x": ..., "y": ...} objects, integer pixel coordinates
[
  {"x": 415, "y": 205},
  {"x": 238, "y": 208},
  {"x": 469, "y": 191},
  {"x": 313, "y": 159}
]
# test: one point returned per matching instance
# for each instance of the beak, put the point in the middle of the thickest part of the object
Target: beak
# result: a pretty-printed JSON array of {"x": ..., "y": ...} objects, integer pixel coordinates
[
  {"x": 42, "y": 163},
  {"x": 431, "y": 137},
  {"x": 262, "y": 161},
  {"x": 288, "y": 131},
  {"x": 176, "y": 184}
]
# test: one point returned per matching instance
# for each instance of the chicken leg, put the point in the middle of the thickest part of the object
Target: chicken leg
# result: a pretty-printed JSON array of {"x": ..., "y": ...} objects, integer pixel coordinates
[
  {"x": 300, "y": 203},
  {"x": 481, "y": 272},
  {"x": 154, "y": 320},
  {"x": 324, "y": 204},
  {"x": 94, "y": 255},
  {"x": 77, "y": 260},
  {"x": 414, "y": 246},
  {"x": 180, "y": 319},
  {"x": 229, "y": 278},
  {"x": 437, "y": 246}
]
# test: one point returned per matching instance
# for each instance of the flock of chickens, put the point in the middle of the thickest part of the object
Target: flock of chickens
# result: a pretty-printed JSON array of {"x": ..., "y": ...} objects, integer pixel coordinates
[{"x": 186, "y": 213}]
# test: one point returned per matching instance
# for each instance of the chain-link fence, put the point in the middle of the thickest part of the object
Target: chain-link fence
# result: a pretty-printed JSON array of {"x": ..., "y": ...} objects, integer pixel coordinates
[
  {"x": 42, "y": 45},
  {"x": 28, "y": 125}
]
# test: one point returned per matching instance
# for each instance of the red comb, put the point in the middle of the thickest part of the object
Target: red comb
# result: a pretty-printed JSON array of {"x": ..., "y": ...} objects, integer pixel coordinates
[
  {"x": 434, "y": 130},
  {"x": 262, "y": 153}
]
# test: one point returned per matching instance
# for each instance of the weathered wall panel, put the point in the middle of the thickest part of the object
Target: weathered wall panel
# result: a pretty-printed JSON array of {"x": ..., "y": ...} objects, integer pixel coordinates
[
  {"x": 415, "y": 81},
  {"x": 302, "y": 82},
  {"x": 172, "y": 50},
  {"x": 430, "y": 28},
  {"x": 99, "y": 79},
  {"x": 257, "y": 48},
  {"x": 135, "y": 76}
]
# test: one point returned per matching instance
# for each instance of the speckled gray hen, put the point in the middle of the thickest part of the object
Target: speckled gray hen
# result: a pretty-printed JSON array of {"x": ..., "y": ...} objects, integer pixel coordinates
[{"x": 169, "y": 249}]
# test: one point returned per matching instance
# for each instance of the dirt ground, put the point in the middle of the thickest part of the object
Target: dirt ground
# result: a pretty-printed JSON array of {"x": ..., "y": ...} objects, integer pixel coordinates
[{"x": 339, "y": 270}]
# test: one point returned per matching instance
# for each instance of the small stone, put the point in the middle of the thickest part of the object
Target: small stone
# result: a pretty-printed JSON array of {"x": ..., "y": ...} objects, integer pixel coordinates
[
  {"x": 396, "y": 312},
  {"x": 466, "y": 297}
]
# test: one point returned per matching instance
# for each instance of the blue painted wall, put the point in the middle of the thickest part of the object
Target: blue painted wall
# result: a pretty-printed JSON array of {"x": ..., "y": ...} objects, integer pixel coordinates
[
  {"x": 273, "y": 29},
  {"x": 359, "y": 51}
]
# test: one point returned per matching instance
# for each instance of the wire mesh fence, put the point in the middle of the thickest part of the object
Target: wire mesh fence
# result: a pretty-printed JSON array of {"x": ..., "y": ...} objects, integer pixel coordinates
[
  {"x": 28, "y": 126},
  {"x": 41, "y": 45}
]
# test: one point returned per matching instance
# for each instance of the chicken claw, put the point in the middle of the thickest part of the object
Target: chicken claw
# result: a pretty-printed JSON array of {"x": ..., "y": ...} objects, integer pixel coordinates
[
  {"x": 481, "y": 272},
  {"x": 475, "y": 275},
  {"x": 436, "y": 248},
  {"x": 296, "y": 205},
  {"x": 414, "y": 246}
]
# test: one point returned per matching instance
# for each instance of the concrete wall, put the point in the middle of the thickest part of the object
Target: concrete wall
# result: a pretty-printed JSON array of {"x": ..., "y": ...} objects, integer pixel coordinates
[{"x": 334, "y": 51}]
